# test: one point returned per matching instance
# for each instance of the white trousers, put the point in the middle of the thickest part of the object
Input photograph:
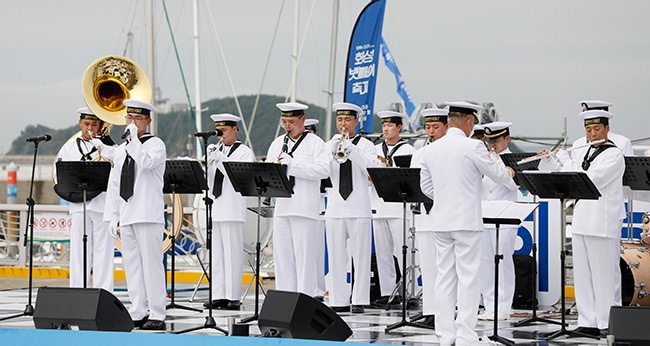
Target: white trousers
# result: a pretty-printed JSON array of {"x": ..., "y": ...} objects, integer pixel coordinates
[
  {"x": 99, "y": 249},
  {"x": 428, "y": 265},
  {"x": 227, "y": 259},
  {"x": 321, "y": 262},
  {"x": 296, "y": 242},
  {"x": 596, "y": 275},
  {"x": 359, "y": 234},
  {"x": 388, "y": 243},
  {"x": 457, "y": 284},
  {"x": 143, "y": 265},
  {"x": 507, "y": 238}
]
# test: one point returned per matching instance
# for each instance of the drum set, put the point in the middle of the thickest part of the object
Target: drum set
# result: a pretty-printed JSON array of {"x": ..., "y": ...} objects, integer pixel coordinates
[{"x": 635, "y": 267}]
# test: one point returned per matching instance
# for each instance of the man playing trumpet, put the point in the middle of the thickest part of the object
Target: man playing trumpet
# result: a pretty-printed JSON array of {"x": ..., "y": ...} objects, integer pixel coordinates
[
  {"x": 348, "y": 214},
  {"x": 596, "y": 226}
]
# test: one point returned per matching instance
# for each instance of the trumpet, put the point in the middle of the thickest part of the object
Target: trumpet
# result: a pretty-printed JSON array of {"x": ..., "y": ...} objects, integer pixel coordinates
[
  {"x": 340, "y": 154},
  {"x": 212, "y": 149},
  {"x": 540, "y": 156}
]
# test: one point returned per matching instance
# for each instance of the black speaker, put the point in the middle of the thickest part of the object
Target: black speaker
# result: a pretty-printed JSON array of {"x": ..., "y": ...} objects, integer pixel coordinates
[
  {"x": 82, "y": 308},
  {"x": 629, "y": 324},
  {"x": 299, "y": 316}
]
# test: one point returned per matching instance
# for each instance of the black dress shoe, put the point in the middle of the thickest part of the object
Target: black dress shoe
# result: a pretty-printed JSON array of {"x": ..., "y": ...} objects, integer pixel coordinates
[
  {"x": 154, "y": 325},
  {"x": 384, "y": 300},
  {"x": 140, "y": 323},
  {"x": 428, "y": 321},
  {"x": 338, "y": 309},
  {"x": 588, "y": 331},
  {"x": 320, "y": 298},
  {"x": 604, "y": 332},
  {"x": 217, "y": 304},
  {"x": 233, "y": 305},
  {"x": 357, "y": 309}
]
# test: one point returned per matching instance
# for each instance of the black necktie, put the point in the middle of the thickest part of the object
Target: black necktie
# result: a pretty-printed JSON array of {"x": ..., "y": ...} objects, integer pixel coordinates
[
  {"x": 345, "y": 179},
  {"x": 428, "y": 206},
  {"x": 217, "y": 184},
  {"x": 127, "y": 179}
]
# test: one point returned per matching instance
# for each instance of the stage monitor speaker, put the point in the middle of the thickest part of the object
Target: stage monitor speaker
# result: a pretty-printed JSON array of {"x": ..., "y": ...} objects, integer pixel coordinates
[
  {"x": 80, "y": 308},
  {"x": 299, "y": 316},
  {"x": 629, "y": 324}
]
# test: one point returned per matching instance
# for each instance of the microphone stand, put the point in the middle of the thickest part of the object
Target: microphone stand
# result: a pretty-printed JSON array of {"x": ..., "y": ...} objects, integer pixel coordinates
[
  {"x": 29, "y": 308},
  {"x": 210, "y": 323}
]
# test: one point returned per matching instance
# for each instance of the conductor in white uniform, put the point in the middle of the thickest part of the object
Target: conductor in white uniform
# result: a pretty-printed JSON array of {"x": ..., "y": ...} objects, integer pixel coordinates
[
  {"x": 296, "y": 239},
  {"x": 229, "y": 207},
  {"x": 387, "y": 220},
  {"x": 596, "y": 225},
  {"x": 135, "y": 200},
  {"x": 451, "y": 173},
  {"x": 99, "y": 241},
  {"x": 348, "y": 214},
  {"x": 497, "y": 136},
  {"x": 435, "y": 125}
]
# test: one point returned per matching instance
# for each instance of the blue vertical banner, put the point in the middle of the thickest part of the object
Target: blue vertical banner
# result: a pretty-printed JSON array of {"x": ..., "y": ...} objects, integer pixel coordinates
[
  {"x": 363, "y": 59},
  {"x": 401, "y": 84}
]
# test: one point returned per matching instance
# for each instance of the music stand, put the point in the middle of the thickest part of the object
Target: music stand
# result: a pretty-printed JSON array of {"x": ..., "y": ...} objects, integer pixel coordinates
[
  {"x": 181, "y": 176},
  {"x": 562, "y": 185},
  {"x": 502, "y": 213},
  {"x": 265, "y": 212},
  {"x": 261, "y": 179},
  {"x": 82, "y": 177},
  {"x": 400, "y": 185},
  {"x": 637, "y": 177},
  {"x": 511, "y": 160}
]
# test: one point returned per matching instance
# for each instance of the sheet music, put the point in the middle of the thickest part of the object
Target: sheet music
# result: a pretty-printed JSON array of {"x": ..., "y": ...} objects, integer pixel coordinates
[{"x": 507, "y": 209}]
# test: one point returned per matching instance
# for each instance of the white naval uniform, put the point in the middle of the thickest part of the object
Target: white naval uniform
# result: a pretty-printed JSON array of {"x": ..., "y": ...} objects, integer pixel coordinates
[
  {"x": 596, "y": 232},
  {"x": 141, "y": 225},
  {"x": 99, "y": 241},
  {"x": 388, "y": 227},
  {"x": 228, "y": 217},
  {"x": 320, "y": 276},
  {"x": 452, "y": 168},
  {"x": 295, "y": 243},
  {"x": 426, "y": 249},
  {"x": 507, "y": 237},
  {"x": 350, "y": 220}
]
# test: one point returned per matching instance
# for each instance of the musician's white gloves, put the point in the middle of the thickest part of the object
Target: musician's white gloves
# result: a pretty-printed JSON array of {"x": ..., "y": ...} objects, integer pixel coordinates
[
  {"x": 511, "y": 172},
  {"x": 112, "y": 229},
  {"x": 97, "y": 143},
  {"x": 286, "y": 159},
  {"x": 133, "y": 132},
  {"x": 214, "y": 155},
  {"x": 334, "y": 143}
]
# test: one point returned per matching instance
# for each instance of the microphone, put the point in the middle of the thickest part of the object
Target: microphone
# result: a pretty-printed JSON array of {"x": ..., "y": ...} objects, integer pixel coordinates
[
  {"x": 209, "y": 134},
  {"x": 43, "y": 138},
  {"x": 126, "y": 134}
]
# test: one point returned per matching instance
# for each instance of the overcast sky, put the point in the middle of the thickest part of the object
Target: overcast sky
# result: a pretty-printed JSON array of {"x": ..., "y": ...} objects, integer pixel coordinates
[{"x": 534, "y": 60}]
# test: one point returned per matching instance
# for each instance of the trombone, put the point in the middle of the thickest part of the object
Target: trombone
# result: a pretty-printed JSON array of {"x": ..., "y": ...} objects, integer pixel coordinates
[{"x": 540, "y": 156}]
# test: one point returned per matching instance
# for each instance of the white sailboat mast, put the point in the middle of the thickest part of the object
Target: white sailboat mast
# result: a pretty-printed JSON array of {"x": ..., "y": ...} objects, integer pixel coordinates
[
  {"x": 330, "y": 87},
  {"x": 197, "y": 76},
  {"x": 294, "y": 52},
  {"x": 153, "y": 127}
]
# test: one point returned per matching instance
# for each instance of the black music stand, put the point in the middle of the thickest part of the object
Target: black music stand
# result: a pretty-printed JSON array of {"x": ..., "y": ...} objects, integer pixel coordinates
[
  {"x": 511, "y": 160},
  {"x": 502, "y": 213},
  {"x": 637, "y": 177},
  {"x": 261, "y": 179},
  {"x": 562, "y": 185},
  {"x": 85, "y": 177},
  {"x": 181, "y": 176},
  {"x": 400, "y": 185}
]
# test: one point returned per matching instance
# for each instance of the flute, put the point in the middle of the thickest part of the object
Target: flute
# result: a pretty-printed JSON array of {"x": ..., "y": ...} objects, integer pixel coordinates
[{"x": 540, "y": 156}]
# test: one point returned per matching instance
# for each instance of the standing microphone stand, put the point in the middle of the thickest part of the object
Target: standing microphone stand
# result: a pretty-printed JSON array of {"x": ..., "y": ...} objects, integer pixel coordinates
[
  {"x": 210, "y": 323},
  {"x": 29, "y": 308}
]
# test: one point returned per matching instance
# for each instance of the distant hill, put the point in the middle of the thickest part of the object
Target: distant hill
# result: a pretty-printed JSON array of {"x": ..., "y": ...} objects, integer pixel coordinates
[{"x": 177, "y": 128}]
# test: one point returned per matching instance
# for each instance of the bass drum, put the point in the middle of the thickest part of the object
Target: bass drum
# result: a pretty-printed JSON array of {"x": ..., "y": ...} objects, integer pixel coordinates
[
  {"x": 174, "y": 214},
  {"x": 635, "y": 274}
]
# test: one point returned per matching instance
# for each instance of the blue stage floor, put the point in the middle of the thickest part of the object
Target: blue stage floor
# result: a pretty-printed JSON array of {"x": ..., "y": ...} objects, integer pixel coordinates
[{"x": 367, "y": 328}]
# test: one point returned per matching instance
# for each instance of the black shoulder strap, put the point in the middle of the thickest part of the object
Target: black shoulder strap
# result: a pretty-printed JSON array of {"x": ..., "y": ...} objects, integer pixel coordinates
[
  {"x": 304, "y": 134},
  {"x": 85, "y": 156},
  {"x": 586, "y": 161},
  {"x": 233, "y": 148}
]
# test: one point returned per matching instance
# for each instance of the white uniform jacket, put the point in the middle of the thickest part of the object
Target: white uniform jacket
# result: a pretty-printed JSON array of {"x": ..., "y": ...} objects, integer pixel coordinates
[
  {"x": 147, "y": 203},
  {"x": 362, "y": 156},
  {"x": 231, "y": 205},
  {"x": 601, "y": 217},
  {"x": 453, "y": 183},
  {"x": 422, "y": 221},
  {"x": 309, "y": 165},
  {"x": 388, "y": 210},
  {"x": 70, "y": 152}
]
